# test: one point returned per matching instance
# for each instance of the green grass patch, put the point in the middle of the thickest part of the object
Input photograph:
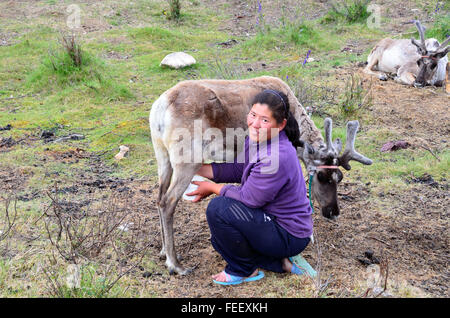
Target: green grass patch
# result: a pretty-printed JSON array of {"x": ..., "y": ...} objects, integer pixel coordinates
[
  {"x": 291, "y": 34},
  {"x": 440, "y": 29},
  {"x": 59, "y": 70}
]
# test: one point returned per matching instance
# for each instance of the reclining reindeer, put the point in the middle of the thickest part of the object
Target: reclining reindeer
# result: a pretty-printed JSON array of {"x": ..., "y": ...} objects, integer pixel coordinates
[
  {"x": 223, "y": 105},
  {"x": 414, "y": 63}
]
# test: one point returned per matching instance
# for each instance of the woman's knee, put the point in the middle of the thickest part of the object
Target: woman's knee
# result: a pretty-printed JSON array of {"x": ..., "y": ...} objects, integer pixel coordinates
[{"x": 215, "y": 206}]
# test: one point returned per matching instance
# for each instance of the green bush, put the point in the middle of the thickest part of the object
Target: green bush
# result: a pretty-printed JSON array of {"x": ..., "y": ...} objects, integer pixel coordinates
[
  {"x": 349, "y": 11},
  {"x": 174, "y": 9}
]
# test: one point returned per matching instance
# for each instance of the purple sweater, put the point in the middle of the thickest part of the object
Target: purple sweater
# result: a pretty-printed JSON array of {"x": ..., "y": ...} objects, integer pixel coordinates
[{"x": 278, "y": 189}]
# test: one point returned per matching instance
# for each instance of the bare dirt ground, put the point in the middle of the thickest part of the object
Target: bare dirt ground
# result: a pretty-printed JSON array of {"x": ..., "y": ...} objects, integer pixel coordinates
[{"x": 409, "y": 229}]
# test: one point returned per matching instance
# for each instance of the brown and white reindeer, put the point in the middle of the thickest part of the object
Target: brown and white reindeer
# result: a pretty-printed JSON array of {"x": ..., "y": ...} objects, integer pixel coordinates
[
  {"x": 413, "y": 62},
  {"x": 192, "y": 109}
]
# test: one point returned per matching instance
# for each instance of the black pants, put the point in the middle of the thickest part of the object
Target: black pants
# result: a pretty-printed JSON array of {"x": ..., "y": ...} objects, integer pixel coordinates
[{"x": 248, "y": 238}]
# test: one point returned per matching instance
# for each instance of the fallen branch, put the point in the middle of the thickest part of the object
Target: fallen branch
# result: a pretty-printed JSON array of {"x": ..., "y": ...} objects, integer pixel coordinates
[
  {"x": 21, "y": 96},
  {"x": 376, "y": 239},
  {"x": 426, "y": 148},
  {"x": 70, "y": 137},
  {"x": 9, "y": 224}
]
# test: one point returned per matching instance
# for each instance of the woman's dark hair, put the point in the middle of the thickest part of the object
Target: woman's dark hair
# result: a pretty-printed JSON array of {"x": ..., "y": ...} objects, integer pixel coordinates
[{"x": 279, "y": 105}]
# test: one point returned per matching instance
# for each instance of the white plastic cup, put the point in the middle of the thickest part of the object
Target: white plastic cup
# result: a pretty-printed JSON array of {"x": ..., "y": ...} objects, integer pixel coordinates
[{"x": 192, "y": 187}]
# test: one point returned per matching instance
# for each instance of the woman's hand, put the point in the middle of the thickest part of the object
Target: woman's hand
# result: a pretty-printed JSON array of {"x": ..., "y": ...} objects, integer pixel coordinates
[{"x": 205, "y": 189}]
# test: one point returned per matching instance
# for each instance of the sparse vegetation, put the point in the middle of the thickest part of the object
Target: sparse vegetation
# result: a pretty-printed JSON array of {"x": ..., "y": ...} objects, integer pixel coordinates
[
  {"x": 174, "y": 9},
  {"x": 440, "y": 29},
  {"x": 356, "y": 97},
  {"x": 350, "y": 11},
  {"x": 69, "y": 66}
]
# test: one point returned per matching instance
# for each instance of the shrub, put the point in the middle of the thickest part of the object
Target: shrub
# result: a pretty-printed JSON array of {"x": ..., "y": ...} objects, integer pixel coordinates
[
  {"x": 351, "y": 11},
  {"x": 174, "y": 9},
  {"x": 355, "y": 96}
]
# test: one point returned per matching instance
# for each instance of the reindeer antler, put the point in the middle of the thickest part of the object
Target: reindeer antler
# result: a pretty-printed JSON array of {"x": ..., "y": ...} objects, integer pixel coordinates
[
  {"x": 443, "y": 44},
  {"x": 330, "y": 150},
  {"x": 442, "y": 50},
  {"x": 421, "y": 46},
  {"x": 349, "y": 152}
]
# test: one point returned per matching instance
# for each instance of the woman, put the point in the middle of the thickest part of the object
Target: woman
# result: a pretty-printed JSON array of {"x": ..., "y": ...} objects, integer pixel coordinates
[{"x": 267, "y": 219}]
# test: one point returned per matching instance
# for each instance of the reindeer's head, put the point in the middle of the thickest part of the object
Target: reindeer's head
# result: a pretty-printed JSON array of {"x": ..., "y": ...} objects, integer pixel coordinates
[
  {"x": 322, "y": 165},
  {"x": 431, "y": 52}
]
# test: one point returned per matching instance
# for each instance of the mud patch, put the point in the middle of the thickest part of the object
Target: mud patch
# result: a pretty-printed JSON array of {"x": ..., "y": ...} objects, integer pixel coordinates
[{"x": 67, "y": 156}]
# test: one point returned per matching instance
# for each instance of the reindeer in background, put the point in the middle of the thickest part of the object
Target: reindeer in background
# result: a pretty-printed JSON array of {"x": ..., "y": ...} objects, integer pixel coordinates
[
  {"x": 413, "y": 62},
  {"x": 222, "y": 105}
]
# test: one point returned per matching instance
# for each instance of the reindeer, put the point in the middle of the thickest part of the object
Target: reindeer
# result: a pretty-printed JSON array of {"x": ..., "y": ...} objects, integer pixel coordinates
[
  {"x": 223, "y": 105},
  {"x": 415, "y": 63}
]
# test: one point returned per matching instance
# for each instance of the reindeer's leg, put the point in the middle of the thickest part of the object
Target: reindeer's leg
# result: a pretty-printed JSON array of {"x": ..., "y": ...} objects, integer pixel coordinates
[
  {"x": 163, "y": 186},
  {"x": 405, "y": 77},
  {"x": 372, "y": 62},
  {"x": 165, "y": 174},
  {"x": 182, "y": 176}
]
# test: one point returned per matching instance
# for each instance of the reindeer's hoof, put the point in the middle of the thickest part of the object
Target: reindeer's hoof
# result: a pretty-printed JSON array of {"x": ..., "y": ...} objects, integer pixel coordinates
[
  {"x": 383, "y": 77},
  {"x": 176, "y": 268},
  {"x": 180, "y": 270},
  {"x": 163, "y": 256}
]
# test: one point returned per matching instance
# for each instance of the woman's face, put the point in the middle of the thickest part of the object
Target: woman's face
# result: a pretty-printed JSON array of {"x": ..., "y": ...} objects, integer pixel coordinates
[{"x": 261, "y": 123}]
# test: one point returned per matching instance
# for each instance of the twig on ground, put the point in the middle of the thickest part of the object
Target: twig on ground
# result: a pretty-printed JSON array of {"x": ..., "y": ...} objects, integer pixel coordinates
[
  {"x": 9, "y": 223},
  {"x": 376, "y": 239},
  {"x": 434, "y": 155},
  {"x": 17, "y": 97}
]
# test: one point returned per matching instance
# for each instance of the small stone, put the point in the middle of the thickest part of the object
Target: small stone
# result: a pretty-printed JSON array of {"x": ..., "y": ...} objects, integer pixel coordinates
[
  {"x": 177, "y": 60},
  {"x": 122, "y": 152}
]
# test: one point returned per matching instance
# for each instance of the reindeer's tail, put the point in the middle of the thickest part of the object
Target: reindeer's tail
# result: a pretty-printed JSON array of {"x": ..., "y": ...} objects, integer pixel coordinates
[{"x": 158, "y": 131}]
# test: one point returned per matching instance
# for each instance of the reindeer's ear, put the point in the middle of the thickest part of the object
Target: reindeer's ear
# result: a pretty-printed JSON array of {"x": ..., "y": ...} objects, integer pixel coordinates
[
  {"x": 309, "y": 148},
  {"x": 305, "y": 151},
  {"x": 442, "y": 53}
]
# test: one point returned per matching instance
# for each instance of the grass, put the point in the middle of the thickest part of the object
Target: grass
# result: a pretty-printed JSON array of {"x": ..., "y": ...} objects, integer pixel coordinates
[
  {"x": 440, "y": 29},
  {"x": 108, "y": 100}
]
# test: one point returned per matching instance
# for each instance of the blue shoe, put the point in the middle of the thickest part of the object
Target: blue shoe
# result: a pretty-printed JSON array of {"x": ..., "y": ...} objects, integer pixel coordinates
[
  {"x": 235, "y": 280},
  {"x": 300, "y": 266}
]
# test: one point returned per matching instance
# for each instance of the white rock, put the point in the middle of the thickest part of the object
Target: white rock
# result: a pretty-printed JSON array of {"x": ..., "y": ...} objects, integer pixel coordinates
[
  {"x": 177, "y": 60},
  {"x": 122, "y": 152},
  {"x": 125, "y": 227}
]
